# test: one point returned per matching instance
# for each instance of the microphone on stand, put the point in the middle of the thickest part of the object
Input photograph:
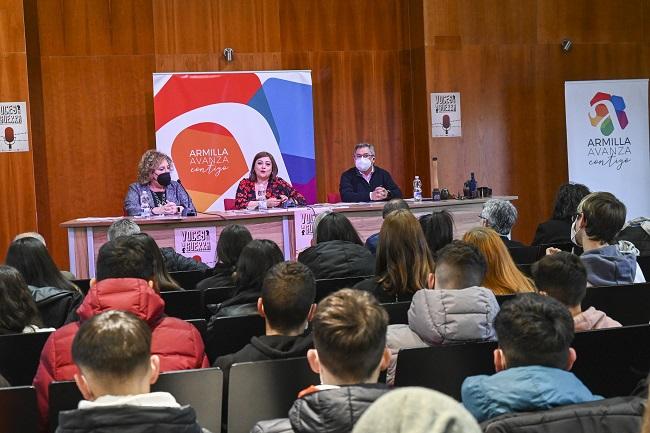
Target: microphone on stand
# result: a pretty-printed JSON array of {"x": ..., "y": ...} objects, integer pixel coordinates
[{"x": 189, "y": 212}]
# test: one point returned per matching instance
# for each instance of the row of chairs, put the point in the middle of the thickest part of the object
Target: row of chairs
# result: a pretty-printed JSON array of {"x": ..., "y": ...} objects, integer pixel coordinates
[{"x": 611, "y": 363}]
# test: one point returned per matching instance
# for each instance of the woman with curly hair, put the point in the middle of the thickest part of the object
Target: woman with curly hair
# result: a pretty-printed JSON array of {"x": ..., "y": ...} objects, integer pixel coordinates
[
  {"x": 18, "y": 311},
  {"x": 558, "y": 229},
  {"x": 166, "y": 196}
]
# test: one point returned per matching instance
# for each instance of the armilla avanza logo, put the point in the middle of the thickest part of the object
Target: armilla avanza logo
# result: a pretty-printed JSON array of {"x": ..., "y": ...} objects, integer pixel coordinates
[{"x": 603, "y": 104}]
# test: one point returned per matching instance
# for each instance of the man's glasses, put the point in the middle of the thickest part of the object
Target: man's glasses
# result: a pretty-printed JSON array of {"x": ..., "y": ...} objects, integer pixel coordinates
[{"x": 365, "y": 155}]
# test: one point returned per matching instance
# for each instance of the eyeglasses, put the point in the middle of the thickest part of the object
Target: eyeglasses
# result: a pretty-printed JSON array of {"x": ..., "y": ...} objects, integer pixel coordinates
[{"x": 365, "y": 155}]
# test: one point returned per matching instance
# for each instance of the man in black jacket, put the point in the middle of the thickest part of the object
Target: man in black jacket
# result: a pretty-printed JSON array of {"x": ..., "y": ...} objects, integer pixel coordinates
[
  {"x": 366, "y": 181},
  {"x": 287, "y": 305},
  {"x": 350, "y": 351},
  {"x": 113, "y": 353}
]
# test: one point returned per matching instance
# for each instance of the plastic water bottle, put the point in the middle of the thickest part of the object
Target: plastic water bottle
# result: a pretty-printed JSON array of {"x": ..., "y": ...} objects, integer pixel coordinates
[
  {"x": 261, "y": 200},
  {"x": 417, "y": 189},
  {"x": 144, "y": 204}
]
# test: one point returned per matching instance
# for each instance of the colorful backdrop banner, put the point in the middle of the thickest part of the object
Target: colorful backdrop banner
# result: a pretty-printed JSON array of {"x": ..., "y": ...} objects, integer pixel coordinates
[
  {"x": 213, "y": 124},
  {"x": 607, "y": 139}
]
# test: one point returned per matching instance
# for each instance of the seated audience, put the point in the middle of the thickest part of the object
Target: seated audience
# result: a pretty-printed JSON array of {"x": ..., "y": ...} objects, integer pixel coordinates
[
  {"x": 500, "y": 215},
  {"x": 339, "y": 251},
  {"x": 404, "y": 264},
  {"x": 18, "y": 311},
  {"x": 502, "y": 277},
  {"x": 391, "y": 205},
  {"x": 637, "y": 231},
  {"x": 56, "y": 297},
  {"x": 257, "y": 257},
  {"x": 125, "y": 281},
  {"x": 349, "y": 330},
  {"x": 112, "y": 352},
  {"x": 67, "y": 274},
  {"x": 532, "y": 362},
  {"x": 557, "y": 230},
  {"x": 174, "y": 262},
  {"x": 564, "y": 277},
  {"x": 416, "y": 410},
  {"x": 600, "y": 216},
  {"x": 438, "y": 228},
  {"x": 287, "y": 305},
  {"x": 232, "y": 240},
  {"x": 164, "y": 282},
  {"x": 458, "y": 310}
]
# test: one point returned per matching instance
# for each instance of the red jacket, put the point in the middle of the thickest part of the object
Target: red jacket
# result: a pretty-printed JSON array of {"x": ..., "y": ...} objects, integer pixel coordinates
[{"x": 177, "y": 343}]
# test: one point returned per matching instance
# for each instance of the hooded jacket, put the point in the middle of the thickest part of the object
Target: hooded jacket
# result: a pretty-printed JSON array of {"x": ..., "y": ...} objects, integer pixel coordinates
[
  {"x": 522, "y": 389},
  {"x": 177, "y": 343},
  {"x": 334, "y": 410},
  {"x": 439, "y": 317},
  {"x": 611, "y": 265},
  {"x": 267, "y": 347},
  {"x": 593, "y": 319},
  {"x": 56, "y": 306},
  {"x": 338, "y": 259}
]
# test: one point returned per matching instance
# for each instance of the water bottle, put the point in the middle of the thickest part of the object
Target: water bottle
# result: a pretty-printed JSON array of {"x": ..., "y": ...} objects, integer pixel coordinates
[
  {"x": 144, "y": 204},
  {"x": 417, "y": 189},
  {"x": 472, "y": 185},
  {"x": 261, "y": 200}
]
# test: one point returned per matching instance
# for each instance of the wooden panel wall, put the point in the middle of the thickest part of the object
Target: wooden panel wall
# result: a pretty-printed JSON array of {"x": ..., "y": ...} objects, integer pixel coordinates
[
  {"x": 373, "y": 65},
  {"x": 18, "y": 210},
  {"x": 504, "y": 57}
]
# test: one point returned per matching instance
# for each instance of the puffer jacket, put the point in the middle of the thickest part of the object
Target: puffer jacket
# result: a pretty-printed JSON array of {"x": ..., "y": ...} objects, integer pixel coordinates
[
  {"x": 334, "y": 410},
  {"x": 338, "y": 259},
  {"x": 438, "y": 317},
  {"x": 57, "y": 307},
  {"x": 177, "y": 343}
]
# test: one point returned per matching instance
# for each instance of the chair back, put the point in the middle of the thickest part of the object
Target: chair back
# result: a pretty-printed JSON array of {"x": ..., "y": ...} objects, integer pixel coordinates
[
  {"x": 612, "y": 362},
  {"x": 334, "y": 197},
  {"x": 628, "y": 304},
  {"x": 201, "y": 325},
  {"x": 444, "y": 368},
  {"x": 184, "y": 304},
  {"x": 524, "y": 255},
  {"x": 187, "y": 279},
  {"x": 20, "y": 355},
  {"x": 18, "y": 413},
  {"x": 330, "y": 285},
  {"x": 265, "y": 390},
  {"x": 397, "y": 312},
  {"x": 201, "y": 388},
  {"x": 229, "y": 204},
  {"x": 229, "y": 334},
  {"x": 644, "y": 264}
]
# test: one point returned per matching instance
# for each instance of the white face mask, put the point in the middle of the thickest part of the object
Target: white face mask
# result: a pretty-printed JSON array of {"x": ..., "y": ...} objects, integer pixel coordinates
[
  {"x": 362, "y": 164},
  {"x": 574, "y": 233}
]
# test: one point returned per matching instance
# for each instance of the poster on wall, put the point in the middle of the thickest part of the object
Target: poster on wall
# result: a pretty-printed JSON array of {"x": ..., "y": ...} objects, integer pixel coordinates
[
  {"x": 607, "y": 139},
  {"x": 213, "y": 124},
  {"x": 13, "y": 127},
  {"x": 198, "y": 243},
  {"x": 304, "y": 226},
  {"x": 445, "y": 115}
]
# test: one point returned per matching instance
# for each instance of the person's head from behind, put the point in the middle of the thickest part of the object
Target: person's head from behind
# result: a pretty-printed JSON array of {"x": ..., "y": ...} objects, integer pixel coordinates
[
  {"x": 393, "y": 205},
  {"x": 502, "y": 276},
  {"x": 562, "y": 276},
  {"x": 459, "y": 265},
  {"x": 34, "y": 262},
  {"x": 404, "y": 261},
  {"x": 349, "y": 330},
  {"x": 125, "y": 257},
  {"x": 287, "y": 299},
  {"x": 567, "y": 199},
  {"x": 34, "y": 235},
  {"x": 17, "y": 308},
  {"x": 112, "y": 351},
  {"x": 257, "y": 257},
  {"x": 533, "y": 329},
  {"x": 599, "y": 217},
  {"x": 122, "y": 227},
  {"x": 438, "y": 228},
  {"x": 232, "y": 240},
  {"x": 163, "y": 282},
  {"x": 500, "y": 215},
  {"x": 336, "y": 227}
]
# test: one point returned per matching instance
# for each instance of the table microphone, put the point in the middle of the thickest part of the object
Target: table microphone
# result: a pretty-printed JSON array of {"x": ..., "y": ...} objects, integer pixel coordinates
[{"x": 189, "y": 212}]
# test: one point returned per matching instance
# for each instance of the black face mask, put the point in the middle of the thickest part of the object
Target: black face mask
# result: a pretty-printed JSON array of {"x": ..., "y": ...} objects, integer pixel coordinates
[{"x": 164, "y": 179}]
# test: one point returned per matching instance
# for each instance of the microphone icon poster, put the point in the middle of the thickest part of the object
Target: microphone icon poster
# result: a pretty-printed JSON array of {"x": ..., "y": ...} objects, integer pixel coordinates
[
  {"x": 445, "y": 115},
  {"x": 13, "y": 127}
]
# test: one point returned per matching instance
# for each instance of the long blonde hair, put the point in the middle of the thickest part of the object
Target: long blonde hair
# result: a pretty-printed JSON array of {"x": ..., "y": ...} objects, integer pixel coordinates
[{"x": 502, "y": 277}]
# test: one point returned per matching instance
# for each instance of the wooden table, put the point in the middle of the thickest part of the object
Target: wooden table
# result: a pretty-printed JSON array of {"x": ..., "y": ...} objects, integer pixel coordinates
[{"x": 87, "y": 235}]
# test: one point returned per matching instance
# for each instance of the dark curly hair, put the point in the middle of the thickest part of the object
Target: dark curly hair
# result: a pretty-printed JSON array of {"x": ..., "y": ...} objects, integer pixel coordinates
[
  {"x": 17, "y": 309},
  {"x": 566, "y": 202}
]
